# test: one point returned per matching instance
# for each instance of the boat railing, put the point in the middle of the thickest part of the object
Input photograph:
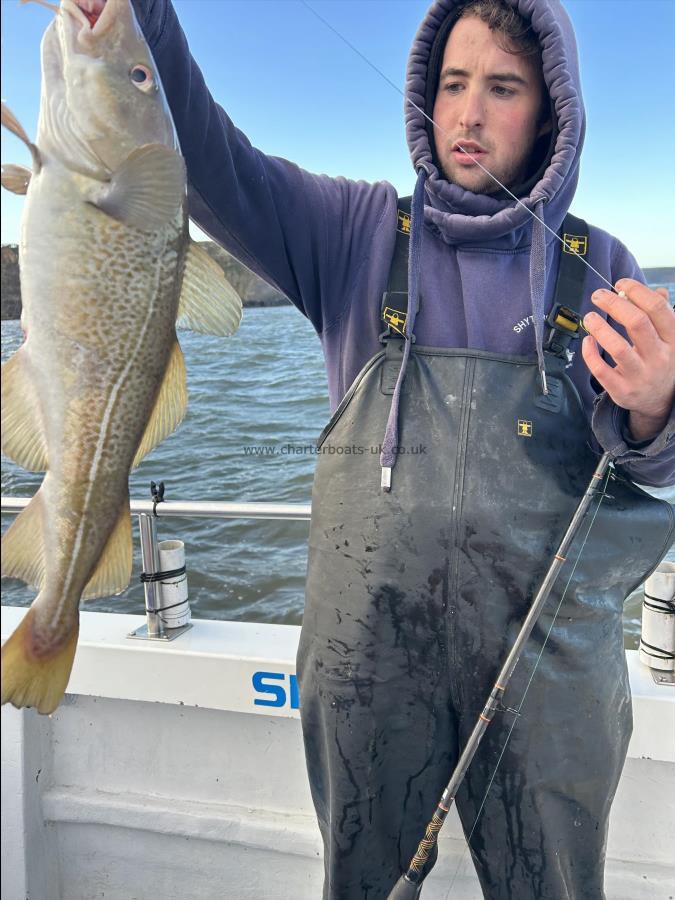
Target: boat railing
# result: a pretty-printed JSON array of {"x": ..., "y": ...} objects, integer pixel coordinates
[
  {"x": 198, "y": 509},
  {"x": 148, "y": 511}
]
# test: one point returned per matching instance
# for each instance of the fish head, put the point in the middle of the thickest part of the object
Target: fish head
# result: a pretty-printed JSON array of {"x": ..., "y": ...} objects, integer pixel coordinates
[{"x": 102, "y": 95}]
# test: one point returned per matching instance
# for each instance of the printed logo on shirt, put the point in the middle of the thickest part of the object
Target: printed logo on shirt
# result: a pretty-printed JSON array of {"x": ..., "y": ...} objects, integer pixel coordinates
[
  {"x": 575, "y": 243},
  {"x": 524, "y": 428},
  {"x": 403, "y": 222},
  {"x": 523, "y": 324},
  {"x": 394, "y": 318}
]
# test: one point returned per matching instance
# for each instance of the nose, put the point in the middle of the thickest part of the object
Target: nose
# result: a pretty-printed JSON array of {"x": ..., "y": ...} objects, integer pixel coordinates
[{"x": 471, "y": 112}]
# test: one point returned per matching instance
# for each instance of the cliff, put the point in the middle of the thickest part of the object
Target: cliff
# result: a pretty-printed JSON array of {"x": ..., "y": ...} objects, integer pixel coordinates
[
  {"x": 9, "y": 283},
  {"x": 252, "y": 290}
]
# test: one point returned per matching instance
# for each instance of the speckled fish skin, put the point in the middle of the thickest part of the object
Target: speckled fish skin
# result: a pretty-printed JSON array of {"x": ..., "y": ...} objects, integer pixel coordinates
[{"x": 100, "y": 300}]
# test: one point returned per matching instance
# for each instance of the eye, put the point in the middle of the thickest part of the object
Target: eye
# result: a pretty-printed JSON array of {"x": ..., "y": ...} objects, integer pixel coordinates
[{"x": 143, "y": 78}]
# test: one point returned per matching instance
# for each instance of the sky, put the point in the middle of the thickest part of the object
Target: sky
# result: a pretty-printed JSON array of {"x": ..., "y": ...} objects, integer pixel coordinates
[{"x": 299, "y": 92}]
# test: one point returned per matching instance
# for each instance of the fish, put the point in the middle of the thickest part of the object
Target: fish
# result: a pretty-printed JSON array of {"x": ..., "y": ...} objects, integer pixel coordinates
[{"x": 107, "y": 270}]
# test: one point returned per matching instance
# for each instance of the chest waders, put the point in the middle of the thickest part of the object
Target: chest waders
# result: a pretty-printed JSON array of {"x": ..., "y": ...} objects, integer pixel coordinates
[{"x": 415, "y": 596}]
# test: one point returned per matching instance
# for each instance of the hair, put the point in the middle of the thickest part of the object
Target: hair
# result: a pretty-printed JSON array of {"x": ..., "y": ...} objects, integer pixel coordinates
[{"x": 516, "y": 32}]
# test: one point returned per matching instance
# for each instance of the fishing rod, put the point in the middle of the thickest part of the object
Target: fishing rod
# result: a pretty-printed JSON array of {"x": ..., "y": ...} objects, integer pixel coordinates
[{"x": 409, "y": 885}]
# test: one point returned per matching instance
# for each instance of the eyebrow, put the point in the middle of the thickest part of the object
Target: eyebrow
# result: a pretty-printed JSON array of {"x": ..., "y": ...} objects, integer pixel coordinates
[{"x": 496, "y": 76}]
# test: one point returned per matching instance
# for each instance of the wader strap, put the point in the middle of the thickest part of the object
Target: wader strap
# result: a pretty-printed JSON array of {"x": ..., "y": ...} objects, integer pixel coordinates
[
  {"x": 569, "y": 284},
  {"x": 571, "y": 272},
  {"x": 564, "y": 322},
  {"x": 394, "y": 308},
  {"x": 568, "y": 294}
]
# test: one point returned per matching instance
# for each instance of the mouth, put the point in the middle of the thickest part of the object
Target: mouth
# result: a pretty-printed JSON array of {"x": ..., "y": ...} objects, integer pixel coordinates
[
  {"x": 92, "y": 9},
  {"x": 89, "y": 14},
  {"x": 467, "y": 152}
]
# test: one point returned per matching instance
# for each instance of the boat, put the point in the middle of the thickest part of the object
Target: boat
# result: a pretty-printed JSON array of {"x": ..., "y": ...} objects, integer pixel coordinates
[{"x": 174, "y": 769}]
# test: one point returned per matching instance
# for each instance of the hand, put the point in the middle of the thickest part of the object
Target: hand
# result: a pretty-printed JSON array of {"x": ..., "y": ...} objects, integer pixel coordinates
[{"x": 643, "y": 379}]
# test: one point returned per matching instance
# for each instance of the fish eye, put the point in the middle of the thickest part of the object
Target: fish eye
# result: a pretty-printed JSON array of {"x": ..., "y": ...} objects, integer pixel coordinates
[{"x": 142, "y": 78}]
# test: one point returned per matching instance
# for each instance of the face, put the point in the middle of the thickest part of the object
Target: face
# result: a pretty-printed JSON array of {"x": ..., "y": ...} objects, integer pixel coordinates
[{"x": 489, "y": 102}]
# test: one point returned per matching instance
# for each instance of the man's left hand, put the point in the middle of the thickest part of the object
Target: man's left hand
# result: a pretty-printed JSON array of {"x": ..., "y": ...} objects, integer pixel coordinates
[{"x": 643, "y": 379}]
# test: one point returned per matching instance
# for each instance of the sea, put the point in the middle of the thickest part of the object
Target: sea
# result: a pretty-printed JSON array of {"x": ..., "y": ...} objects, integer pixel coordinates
[{"x": 258, "y": 402}]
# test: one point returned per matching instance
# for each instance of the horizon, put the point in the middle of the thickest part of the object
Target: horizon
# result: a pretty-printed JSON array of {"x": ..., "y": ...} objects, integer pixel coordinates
[{"x": 296, "y": 91}]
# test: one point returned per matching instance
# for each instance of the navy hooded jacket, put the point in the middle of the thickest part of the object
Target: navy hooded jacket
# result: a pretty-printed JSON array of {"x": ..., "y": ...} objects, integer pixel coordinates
[{"x": 327, "y": 243}]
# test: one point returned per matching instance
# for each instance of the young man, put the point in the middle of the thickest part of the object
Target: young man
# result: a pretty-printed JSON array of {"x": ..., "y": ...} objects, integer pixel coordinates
[{"x": 416, "y": 591}]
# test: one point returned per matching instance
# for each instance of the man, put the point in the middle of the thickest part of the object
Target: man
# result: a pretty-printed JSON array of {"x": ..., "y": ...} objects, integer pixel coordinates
[{"x": 423, "y": 559}]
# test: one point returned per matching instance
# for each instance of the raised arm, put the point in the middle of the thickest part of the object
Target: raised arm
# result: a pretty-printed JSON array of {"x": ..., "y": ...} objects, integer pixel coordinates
[{"x": 306, "y": 234}]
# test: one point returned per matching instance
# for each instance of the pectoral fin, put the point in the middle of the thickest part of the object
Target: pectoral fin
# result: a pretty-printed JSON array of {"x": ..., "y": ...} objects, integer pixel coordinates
[
  {"x": 10, "y": 121},
  {"x": 147, "y": 190},
  {"x": 169, "y": 407},
  {"x": 113, "y": 571},
  {"x": 16, "y": 178},
  {"x": 208, "y": 302},
  {"x": 22, "y": 432}
]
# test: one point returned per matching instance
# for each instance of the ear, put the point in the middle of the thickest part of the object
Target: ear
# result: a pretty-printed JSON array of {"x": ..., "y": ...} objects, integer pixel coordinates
[{"x": 545, "y": 128}]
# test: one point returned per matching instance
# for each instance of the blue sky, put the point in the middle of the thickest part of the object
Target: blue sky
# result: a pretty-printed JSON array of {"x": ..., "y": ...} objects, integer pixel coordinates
[{"x": 299, "y": 92}]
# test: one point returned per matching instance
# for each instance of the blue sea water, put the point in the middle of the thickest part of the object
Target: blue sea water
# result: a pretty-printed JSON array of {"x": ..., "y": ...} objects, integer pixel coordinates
[
  {"x": 258, "y": 401},
  {"x": 263, "y": 388}
]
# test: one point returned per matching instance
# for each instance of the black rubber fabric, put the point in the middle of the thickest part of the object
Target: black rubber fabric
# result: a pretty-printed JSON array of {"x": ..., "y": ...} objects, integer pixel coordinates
[{"x": 413, "y": 600}]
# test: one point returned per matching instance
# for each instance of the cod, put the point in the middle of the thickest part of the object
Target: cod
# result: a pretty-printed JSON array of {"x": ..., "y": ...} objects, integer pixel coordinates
[{"x": 107, "y": 267}]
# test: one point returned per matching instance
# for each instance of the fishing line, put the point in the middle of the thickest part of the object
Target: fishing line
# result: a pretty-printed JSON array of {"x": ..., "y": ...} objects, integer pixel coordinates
[
  {"x": 516, "y": 712},
  {"x": 419, "y": 109}
]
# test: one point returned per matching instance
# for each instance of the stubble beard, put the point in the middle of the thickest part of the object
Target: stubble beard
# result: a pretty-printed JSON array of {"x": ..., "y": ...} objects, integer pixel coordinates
[{"x": 480, "y": 182}]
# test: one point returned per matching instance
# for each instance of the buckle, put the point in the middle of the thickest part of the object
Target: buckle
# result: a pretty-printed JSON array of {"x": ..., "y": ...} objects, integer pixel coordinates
[{"x": 565, "y": 326}]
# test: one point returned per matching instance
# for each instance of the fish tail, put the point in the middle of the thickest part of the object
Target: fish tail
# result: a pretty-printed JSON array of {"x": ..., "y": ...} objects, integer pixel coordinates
[{"x": 31, "y": 678}]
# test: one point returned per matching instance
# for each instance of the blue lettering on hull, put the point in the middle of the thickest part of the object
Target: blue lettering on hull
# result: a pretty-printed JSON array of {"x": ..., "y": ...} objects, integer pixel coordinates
[{"x": 276, "y": 689}]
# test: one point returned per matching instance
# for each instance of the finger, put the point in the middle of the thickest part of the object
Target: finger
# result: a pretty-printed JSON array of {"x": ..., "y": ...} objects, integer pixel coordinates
[
  {"x": 637, "y": 323},
  {"x": 655, "y": 304},
  {"x": 621, "y": 351},
  {"x": 601, "y": 371}
]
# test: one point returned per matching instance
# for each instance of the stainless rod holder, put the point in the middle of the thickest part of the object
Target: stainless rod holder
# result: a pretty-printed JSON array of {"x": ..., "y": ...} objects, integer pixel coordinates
[
  {"x": 153, "y": 630},
  {"x": 150, "y": 560}
]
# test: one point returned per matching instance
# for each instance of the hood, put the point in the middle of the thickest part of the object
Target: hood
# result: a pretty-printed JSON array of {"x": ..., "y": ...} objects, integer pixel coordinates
[
  {"x": 495, "y": 222},
  {"x": 458, "y": 215}
]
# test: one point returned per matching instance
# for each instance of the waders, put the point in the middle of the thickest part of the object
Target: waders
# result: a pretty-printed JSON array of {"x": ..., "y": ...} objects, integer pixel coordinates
[{"x": 415, "y": 595}]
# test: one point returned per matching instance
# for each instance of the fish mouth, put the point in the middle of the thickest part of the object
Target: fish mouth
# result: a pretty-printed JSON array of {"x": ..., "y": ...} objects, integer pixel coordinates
[{"x": 95, "y": 16}]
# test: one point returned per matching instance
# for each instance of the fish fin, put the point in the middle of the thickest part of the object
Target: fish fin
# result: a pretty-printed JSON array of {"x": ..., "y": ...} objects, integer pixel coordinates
[
  {"x": 11, "y": 123},
  {"x": 16, "y": 178},
  {"x": 23, "y": 439},
  {"x": 31, "y": 680},
  {"x": 44, "y": 3},
  {"x": 23, "y": 545},
  {"x": 113, "y": 571},
  {"x": 208, "y": 302},
  {"x": 170, "y": 405},
  {"x": 147, "y": 190}
]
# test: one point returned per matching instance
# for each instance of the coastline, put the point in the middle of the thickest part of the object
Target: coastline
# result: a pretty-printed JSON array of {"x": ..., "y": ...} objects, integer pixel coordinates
[{"x": 254, "y": 292}]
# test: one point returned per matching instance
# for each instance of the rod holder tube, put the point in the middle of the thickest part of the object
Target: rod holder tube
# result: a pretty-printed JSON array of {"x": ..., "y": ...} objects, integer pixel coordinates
[
  {"x": 173, "y": 588},
  {"x": 150, "y": 559},
  {"x": 657, "y": 640}
]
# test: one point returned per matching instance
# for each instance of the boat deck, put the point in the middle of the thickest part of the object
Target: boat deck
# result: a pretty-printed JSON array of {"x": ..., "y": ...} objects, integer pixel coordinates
[{"x": 166, "y": 773}]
